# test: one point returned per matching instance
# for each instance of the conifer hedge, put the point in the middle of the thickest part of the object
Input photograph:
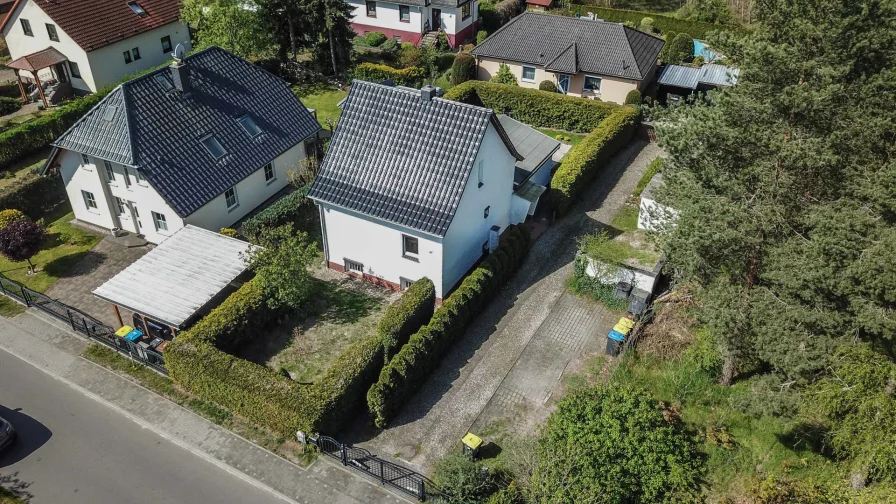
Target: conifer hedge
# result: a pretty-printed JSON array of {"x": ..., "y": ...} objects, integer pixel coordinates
[
  {"x": 373, "y": 72},
  {"x": 407, "y": 315}
]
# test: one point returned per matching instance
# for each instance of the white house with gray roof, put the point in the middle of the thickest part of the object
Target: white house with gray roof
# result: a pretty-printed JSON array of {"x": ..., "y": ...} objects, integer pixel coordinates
[
  {"x": 583, "y": 57},
  {"x": 202, "y": 142},
  {"x": 414, "y": 186},
  {"x": 417, "y": 21}
]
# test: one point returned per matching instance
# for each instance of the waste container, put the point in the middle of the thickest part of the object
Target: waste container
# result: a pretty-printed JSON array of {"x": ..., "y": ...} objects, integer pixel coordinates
[
  {"x": 614, "y": 343},
  {"x": 623, "y": 289}
]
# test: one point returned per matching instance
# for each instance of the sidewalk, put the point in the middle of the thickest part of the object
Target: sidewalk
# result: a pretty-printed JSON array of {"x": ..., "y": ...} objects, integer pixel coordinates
[{"x": 51, "y": 347}]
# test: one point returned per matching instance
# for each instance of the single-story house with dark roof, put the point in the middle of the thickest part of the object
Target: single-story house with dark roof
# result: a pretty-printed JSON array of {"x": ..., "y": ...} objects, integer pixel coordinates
[
  {"x": 202, "y": 142},
  {"x": 582, "y": 57}
]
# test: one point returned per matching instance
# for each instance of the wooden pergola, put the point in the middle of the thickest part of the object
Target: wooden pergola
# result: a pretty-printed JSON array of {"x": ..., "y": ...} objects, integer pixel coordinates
[{"x": 34, "y": 63}]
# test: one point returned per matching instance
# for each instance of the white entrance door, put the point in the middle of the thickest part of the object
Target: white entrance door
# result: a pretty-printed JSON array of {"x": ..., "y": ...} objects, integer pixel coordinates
[
  {"x": 563, "y": 83},
  {"x": 124, "y": 215},
  {"x": 136, "y": 217}
]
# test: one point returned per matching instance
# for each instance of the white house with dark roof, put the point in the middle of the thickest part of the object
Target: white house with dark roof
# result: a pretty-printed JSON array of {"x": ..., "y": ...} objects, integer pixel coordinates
[
  {"x": 413, "y": 186},
  {"x": 582, "y": 57},
  {"x": 202, "y": 142},
  {"x": 415, "y": 20}
]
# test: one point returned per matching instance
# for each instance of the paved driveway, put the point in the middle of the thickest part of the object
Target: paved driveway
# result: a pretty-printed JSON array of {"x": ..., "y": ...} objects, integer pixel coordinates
[{"x": 516, "y": 352}]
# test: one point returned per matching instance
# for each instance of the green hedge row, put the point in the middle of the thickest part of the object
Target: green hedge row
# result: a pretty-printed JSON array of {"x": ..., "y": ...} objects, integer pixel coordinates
[
  {"x": 407, "y": 315},
  {"x": 537, "y": 108},
  {"x": 34, "y": 195},
  {"x": 665, "y": 24},
  {"x": 404, "y": 374},
  {"x": 243, "y": 316},
  {"x": 9, "y": 105},
  {"x": 582, "y": 162},
  {"x": 373, "y": 72},
  {"x": 293, "y": 208}
]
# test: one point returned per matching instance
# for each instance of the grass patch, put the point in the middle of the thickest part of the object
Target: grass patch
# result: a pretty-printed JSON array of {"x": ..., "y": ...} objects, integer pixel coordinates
[
  {"x": 652, "y": 169},
  {"x": 619, "y": 250},
  {"x": 564, "y": 136},
  {"x": 585, "y": 286},
  {"x": 322, "y": 98},
  {"x": 10, "y": 308},
  {"x": 63, "y": 247},
  {"x": 626, "y": 219}
]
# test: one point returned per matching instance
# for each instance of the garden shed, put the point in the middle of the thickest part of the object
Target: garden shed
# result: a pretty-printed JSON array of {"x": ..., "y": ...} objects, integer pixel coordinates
[{"x": 177, "y": 282}]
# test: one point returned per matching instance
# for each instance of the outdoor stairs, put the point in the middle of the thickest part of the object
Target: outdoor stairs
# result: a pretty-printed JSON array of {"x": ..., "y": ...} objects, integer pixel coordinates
[{"x": 430, "y": 38}]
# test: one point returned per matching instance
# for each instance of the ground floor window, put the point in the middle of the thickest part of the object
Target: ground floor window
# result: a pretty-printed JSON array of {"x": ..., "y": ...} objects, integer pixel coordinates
[
  {"x": 121, "y": 205},
  {"x": 89, "y": 200},
  {"x": 160, "y": 221},
  {"x": 405, "y": 283},
  {"x": 404, "y": 13},
  {"x": 353, "y": 266},
  {"x": 528, "y": 73},
  {"x": 592, "y": 84}
]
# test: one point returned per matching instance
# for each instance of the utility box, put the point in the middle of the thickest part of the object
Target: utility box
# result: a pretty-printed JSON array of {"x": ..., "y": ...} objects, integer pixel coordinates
[{"x": 472, "y": 443}]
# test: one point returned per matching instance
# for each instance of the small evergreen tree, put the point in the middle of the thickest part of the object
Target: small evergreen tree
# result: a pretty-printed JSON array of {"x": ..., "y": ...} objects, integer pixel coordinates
[
  {"x": 633, "y": 97},
  {"x": 681, "y": 49},
  {"x": 463, "y": 69},
  {"x": 504, "y": 76},
  {"x": 481, "y": 35},
  {"x": 547, "y": 85}
]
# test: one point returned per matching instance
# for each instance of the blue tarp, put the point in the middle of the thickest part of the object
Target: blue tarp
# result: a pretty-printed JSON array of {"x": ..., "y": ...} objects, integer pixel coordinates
[{"x": 616, "y": 336}]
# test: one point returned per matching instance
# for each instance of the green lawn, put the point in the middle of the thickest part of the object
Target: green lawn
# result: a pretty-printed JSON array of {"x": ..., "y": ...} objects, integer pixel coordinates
[
  {"x": 63, "y": 246},
  {"x": 323, "y": 99},
  {"x": 564, "y": 136}
]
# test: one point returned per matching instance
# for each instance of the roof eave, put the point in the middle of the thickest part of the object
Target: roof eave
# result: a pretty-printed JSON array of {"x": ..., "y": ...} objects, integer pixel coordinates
[{"x": 319, "y": 201}]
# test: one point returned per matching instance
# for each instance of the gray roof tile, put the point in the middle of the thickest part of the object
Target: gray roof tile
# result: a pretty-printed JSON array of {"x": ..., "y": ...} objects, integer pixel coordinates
[
  {"x": 600, "y": 47},
  {"x": 159, "y": 131},
  {"x": 400, "y": 158}
]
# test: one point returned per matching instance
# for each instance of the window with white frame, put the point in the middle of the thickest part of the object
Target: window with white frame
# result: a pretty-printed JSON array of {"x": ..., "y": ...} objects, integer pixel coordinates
[
  {"x": 51, "y": 32},
  {"x": 127, "y": 177},
  {"x": 528, "y": 73},
  {"x": 410, "y": 247},
  {"x": 269, "y": 174},
  {"x": 89, "y": 200},
  {"x": 121, "y": 206},
  {"x": 110, "y": 173},
  {"x": 140, "y": 178},
  {"x": 592, "y": 84},
  {"x": 405, "y": 283},
  {"x": 166, "y": 44},
  {"x": 465, "y": 10},
  {"x": 371, "y": 9},
  {"x": 353, "y": 266},
  {"x": 160, "y": 221},
  {"x": 26, "y": 27},
  {"x": 230, "y": 198},
  {"x": 404, "y": 13},
  {"x": 85, "y": 161}
]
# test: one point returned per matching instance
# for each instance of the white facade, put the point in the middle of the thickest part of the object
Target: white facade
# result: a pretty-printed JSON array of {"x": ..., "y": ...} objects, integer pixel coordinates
[
  {"x": 378, "y": 245},
  {"x": 141, "y": 205},
  {"x": 387, "y": 19},
  {"x": 636, "y": 277},
  {"x": 98, "y": 68}
]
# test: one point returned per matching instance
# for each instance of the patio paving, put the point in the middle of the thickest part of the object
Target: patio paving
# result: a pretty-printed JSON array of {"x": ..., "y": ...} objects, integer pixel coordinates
[{"x": 100, "y": 264}]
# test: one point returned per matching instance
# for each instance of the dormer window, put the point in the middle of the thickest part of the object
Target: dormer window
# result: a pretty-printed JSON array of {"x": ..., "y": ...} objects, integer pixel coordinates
[
  {"x": 138, "y": 10},
  {"x": 164, "y": 82},
  {"x": 249, "y": 126},
  {"x": 214, "y": 147}
]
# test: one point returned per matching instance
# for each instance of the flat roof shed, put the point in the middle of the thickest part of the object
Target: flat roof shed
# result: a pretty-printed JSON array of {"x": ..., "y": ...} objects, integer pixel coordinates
[{"x": 175, "y": 281}]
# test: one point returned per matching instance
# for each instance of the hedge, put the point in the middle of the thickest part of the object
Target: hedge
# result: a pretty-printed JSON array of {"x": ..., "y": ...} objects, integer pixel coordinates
[
  {"x": 293, "y": 208},
  {"x": 373, "y": 72},
  {"x": 243, "y": 316},
  {"x": 407, "y": 371},
  {"x": 463, "y": 69},
  {"x": 34, "y": 195},
  {"x": 582, "y": 162},
  {"x": 534, "y": 107},
  {"x": 665, "y": 24},
  {"x": 9, "y": 105},
  {"x": 407, "y": 315}
]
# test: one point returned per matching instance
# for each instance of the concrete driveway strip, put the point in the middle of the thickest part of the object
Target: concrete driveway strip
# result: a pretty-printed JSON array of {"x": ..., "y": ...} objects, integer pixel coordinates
[{"x": 127, "y": 444}]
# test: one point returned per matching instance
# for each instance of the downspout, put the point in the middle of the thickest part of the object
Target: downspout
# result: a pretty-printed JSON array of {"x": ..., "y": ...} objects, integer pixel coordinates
[{"x": 323, "y": 230}]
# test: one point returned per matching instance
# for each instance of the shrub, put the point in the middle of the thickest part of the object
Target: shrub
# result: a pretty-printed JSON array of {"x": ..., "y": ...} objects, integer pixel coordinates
[
  {"x": 390, "y": 46},
  {"x": 547, "y": 85},
  {"x": 9, "y": 105},
  {"x": 582, "y": 162},
  {"x": 374, "y": 38},
  {"x": 681, "y": 49},
  {"x": 407, "y": 315},
  {"x": 408, "y": 369},
  {"x": 481, "y": 35},
  {"x": 242, "y": 317},
  {"x": 665, "y": 24},
  {"x": 373, "y": 72},
  {"x": 646, "y": 25},
  {"x": 294, "y": 208},
  {"x": 464, "y": 479},
  {"x": 504, "y": 76},
  {"x": 464, "y": 68},
  {"x": 699, "y": 61},
  {"x": 34, "y": 195},
  {"x": 633, "y": 97},
  {"x": 669, "y": 36},
  {"x": 7, "y": 217},
  {"x": 408, "y": 55},
  {"x": 489, "y": 19},
  {"x": 534, "y": 107},
  {"x": 442, "y": 43},
  {"x": 281, "y": 266},
  {"x": 232, "y": 233}
]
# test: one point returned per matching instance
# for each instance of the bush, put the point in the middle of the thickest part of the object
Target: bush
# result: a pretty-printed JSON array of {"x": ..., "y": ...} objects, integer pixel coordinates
[
  {"x": 681, "y": 49},
  {"x": 504, "y": 76},
  {"x": 242, "y": 317},
  {"x": 669, "y": 36},
  {"x": 481, "y": 35},
  {"x": 281, "y": 266},
  {"x": 408, "y": 369},
  {"x": 534, "y": 107},
  {"x": 9, "y": 216},
  {"x": 464, "y": 68},
  {"x": 633, "y": 97},
  {"x": 699, "y": 61},
  {"x": 34, "y": 195},
  {"x": 408, "y": 55},
  {"x": 406, "y": 316},
  {"x": 9, "y": 105},
  {"x": 464, "y": 479},
  {"x": 547, "y": 85},
  {"x": 294, "y": 208},
  {"x": 646, "y": 25},
  {"x": 373, "y": 72},
  {"x": 230, "y": 232},
  {"x": 582, "y": 162},
  {"x": 374, "y": 38},
  {"x": 442, "y": 42},
  {"x": 390, "y": 46},
  {"x": 665, "y": 24}
]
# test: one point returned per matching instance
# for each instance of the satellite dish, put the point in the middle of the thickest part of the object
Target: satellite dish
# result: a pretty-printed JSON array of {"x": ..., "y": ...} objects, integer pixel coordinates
[{"x": 179, "y": 52}]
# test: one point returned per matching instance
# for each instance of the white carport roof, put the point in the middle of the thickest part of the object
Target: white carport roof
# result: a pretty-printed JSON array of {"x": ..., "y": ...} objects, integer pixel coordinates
[{"x": 177, "y": 278}]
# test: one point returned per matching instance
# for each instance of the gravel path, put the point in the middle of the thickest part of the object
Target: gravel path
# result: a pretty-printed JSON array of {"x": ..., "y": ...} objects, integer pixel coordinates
[{"x": 460, "y": 389}]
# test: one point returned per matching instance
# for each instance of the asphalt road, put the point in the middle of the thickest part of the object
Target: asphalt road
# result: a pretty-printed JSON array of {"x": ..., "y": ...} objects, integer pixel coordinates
[{"x": 73, "y": 449}]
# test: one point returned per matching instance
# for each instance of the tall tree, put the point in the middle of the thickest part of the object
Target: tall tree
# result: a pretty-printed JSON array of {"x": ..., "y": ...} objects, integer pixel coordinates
[
  {"x": 234, "y": 25},
  {"x": 335, "y": 36}
]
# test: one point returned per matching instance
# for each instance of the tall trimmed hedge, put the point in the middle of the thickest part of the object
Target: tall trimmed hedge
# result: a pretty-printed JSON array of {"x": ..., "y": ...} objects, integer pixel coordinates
[
  {"x": 404, "y": 374},
  {"x": 582, "y": 162},
  {"x": 535, "y": 107},
  {"x": 243, "y": 316},
  {"x": 373, "y": 72},
  {"x": 34, "y": 195},
  {"x": 294, "y": 208},
  {"x": 407, "y": 315},
  {"x": 663, "y": 23},
  {"x": 463, "y": 69}
]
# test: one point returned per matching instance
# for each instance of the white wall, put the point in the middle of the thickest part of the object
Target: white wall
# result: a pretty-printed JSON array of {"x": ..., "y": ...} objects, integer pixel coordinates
[
  {"x": 469, "y": 229},
  {"x": 107, "y": 63},
  {"x": 251, "y": 192},
  {"x": 611, "y": 275},
  {"x": 387, "y": 16},
  {"x": 378, "y": 246},
  {"x": 451, "y": 18}
]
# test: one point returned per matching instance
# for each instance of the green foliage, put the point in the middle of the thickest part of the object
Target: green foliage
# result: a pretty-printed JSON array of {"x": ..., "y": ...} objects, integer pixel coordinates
[
  {"x": 646, "y": 25},
  {"x": 408, "y": 369},
  {"x": 442, "y": 42},
  {"x": 504, "y": 76},
  {"x": 699, "y": 60},
  {"x": 227, "y": 24},
  {"x": 373, "y": 72},
  {"x": 295, "y": 208},
  {"x": 464, "y": 479},
  {"x": 9, "y": 105},
  {"x": 681, "y": 49},
  {"x": 9, "y": 216},
  {"x": 281, "y": 265},
  {"x": 633, "y": 97},
  {"x": 390, "y": 46},
  {"x": 34, "y": 196},
  {"x": 242, "y": 317},
  {"x": 768, "y": 395},
  {"x": 664, "y": 24},
  {"x": 535, "y": 107},
  {"x": 706, "y": 11},
  {"x": 481, "y": 35},
  {"x": 653, "y": 168},
  {"x": 408, "y": 55},
  {"x": 582, "y": 162},
  {"x": 668, "y": 36},
  {"x": 464, "y": 68},
  {"x": 229, "y": 232},
  {"x": 583, "y": 284},
  {"x": 407, "y": 315},
  {"x": 374, "y": 38},
  {"x": 20, "y": 240},
  {"x": 548, "y": 86},
  {"x": 509, "y": 495},
  {"x": 615, "y": 443}
]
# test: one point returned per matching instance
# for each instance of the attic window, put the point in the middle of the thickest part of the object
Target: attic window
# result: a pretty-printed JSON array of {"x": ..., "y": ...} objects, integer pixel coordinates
[
  {"x": 136, "y": 8},
  {"x": 164, "y": 82},
  {"x": 249, "y": 125},
  {"x": 109, "y": 115},
  {"x": 213, "y": 146}
]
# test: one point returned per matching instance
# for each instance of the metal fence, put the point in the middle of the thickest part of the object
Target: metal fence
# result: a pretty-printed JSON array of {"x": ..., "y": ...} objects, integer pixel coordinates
[{"x": 84, "y": 324}]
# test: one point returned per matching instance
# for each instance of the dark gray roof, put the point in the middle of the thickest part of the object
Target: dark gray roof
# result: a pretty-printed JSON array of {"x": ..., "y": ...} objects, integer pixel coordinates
[
  {"x": 533, "y": 145},
  {"x": 690, "y": 77},
  {"x": 571, "y": 45},
  {"x": 158, "y": 131},
  {"x": 401, "y": 158}
]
